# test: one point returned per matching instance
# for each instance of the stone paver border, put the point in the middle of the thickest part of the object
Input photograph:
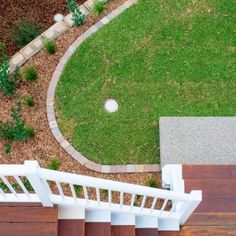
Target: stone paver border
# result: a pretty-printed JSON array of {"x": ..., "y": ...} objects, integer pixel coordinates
[{"x": 51, "y": 113}]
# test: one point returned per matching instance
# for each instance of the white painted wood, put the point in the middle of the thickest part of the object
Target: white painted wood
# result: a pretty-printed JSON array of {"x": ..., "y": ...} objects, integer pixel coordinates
[
  {"x": 71, "y": 212},
  {"x": 32, "y": 173},
  {"x": 122, "y": 218},
  {"x": 146, "y": 221},
  {"x": 166, "y": 224},
  {"x": 97, "y": 216}
]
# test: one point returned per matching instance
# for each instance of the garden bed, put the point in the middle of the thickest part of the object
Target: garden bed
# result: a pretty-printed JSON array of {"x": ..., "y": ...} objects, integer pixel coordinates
[
  {"x": 38, "y": 12},
  {"x": 44, "y": 148}
]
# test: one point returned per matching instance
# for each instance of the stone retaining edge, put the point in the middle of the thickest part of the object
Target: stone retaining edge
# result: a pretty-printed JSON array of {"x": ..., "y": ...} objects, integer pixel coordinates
[{"x": 51, "y": 112}]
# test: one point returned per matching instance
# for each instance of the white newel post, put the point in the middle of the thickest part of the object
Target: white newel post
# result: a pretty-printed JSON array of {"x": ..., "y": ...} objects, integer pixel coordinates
[
  {"x": 32, "y": 172},
  {"x": 196, "y": 197}
]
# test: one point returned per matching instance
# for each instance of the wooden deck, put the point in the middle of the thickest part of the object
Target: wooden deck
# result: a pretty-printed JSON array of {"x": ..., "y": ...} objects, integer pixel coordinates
[{"x": 216, "y": 215}]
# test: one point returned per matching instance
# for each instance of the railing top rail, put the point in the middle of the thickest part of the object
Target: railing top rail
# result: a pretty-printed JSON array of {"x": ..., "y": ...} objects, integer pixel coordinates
[
  {"x": 70, "y": 178},
  {"x": 10, "y": 170},
  {"x": 111, "y": 185}
]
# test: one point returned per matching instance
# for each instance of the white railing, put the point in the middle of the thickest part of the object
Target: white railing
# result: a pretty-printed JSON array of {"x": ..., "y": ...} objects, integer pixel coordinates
[{"x": 30, "y": 183}]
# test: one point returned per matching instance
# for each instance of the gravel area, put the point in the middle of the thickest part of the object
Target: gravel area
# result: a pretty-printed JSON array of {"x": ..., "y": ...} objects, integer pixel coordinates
[{"x": 44, "y": 147}]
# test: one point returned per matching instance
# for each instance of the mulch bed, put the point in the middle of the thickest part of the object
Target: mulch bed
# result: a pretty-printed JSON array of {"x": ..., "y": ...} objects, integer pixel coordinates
[
  {"x": 40, "y": 12},
  {"x": 44, "y": 147}
]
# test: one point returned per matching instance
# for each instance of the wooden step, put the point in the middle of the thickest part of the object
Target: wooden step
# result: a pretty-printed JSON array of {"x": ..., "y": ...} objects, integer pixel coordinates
[
  {"x": 207, "y": 231},
  {"x": 212, "y": 187},
  {"x": 28, "y": 220},
  {"x": 28, "y": 214},
  {"x": 28, "y": 229},
  {"x": 212, "y": 219},
  {"x": 217, "y": 204},
  {"x": 146, "y": 232},
  {"x": 75, "y": 227},
  {"x": 122, "y": 230},
  {"x": 209, "y": 171},
  {"x": 98, "y": 229}
]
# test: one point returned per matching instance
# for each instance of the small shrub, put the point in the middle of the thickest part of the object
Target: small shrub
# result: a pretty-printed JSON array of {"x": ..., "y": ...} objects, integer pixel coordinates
[
  {"x": 54, "y": 164},
  {"x": 30, "y": 74},
  {"x": 8, "y": 83},
  {"x": 151, "y": 182},
  {"x": 77, "y": 16},
  {"x": 27, "y": 185},
  {"x": 30, "y": 132},
  {"x": 29, "y": 101},
  {"x": 78, "y": 189},
  {"x": 50, "y": 46},
  {"x": 98, "y": 6},
  {"x": 105, "y": 192},
  {"x": 15, "y": 130},
  {"x": 24, "y": 32}
]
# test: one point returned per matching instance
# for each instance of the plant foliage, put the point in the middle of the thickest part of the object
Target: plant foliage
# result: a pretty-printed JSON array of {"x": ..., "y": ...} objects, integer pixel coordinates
[
  {"x": 24, "y": 32},
  {"x": 15, "y": 130},
  {"x": 50, "y": 46},
  {"x": 8, "y": 83},
  {"x": 77, "y": 16},
  {"x": 98, "y": 6},
  {"x": 30, "y": 74}
]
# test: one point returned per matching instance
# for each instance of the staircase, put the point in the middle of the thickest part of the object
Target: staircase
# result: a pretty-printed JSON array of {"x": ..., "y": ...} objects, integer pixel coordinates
[
  {"x": 105, "y": 223},
  {"x": 69, "y": 204}
]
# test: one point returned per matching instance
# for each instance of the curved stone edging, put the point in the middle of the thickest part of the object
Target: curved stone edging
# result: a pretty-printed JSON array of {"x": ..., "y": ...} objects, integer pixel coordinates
[{"x": 51, "y": 113}]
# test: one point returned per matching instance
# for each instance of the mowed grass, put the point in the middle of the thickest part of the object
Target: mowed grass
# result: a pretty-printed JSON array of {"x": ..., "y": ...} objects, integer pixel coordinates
[{"x": 159, "y": 58}]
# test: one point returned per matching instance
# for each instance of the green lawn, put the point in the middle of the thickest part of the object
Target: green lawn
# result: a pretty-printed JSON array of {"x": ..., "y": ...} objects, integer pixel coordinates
[{"x": 159, "y": 58}]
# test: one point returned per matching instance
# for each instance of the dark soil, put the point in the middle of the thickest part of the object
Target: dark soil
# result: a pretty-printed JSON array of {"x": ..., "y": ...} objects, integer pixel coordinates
[{"x": 40, "y": 12}]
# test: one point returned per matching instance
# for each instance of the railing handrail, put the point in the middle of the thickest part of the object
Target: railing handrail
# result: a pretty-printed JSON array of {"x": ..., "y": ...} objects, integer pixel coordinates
[
  {"x": 39, "y": 177},
  {"x": 111, "y": 185}
]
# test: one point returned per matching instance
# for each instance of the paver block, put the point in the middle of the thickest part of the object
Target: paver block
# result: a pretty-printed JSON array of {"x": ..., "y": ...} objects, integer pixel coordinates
[
  {"x": 89, "y": 5},
  {"x": 18, "y": 59},
  {"x": 27, "y": 52},
  {"x": 37, "y": 43},
  {"x": 84, "y": 10},
  {"x": 105, "y": 20},
  {"x": 55, "y": 30},
  {"x": 68, "y": 20}
]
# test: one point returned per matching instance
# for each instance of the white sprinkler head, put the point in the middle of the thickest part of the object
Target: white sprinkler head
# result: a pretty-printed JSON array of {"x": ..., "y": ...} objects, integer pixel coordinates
[
  {"x": 58, "y": 17},
  {"x": 111, "y": 105}
]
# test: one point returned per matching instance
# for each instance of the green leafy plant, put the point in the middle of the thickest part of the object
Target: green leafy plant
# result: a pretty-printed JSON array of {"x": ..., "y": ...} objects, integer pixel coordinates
[
  {"x": 15, "y": 130},
  {"x": 27, "y": 185},
  {"x": 24, "y": 32},
  {"x": 151, "y": 182},
  {"x": 50, "y": 46},
  {"x": 54, "y": 164},
  {"x": 77, "y": 16},
  {"x": 30, "y": 74},
  {"x": 98, "y": 6},
  {"x": 29, "y": 101},
  {"x": 105, "y": 192},
  {"x": 8, "y": 83},
  {"x": 78, "y": 189}
]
